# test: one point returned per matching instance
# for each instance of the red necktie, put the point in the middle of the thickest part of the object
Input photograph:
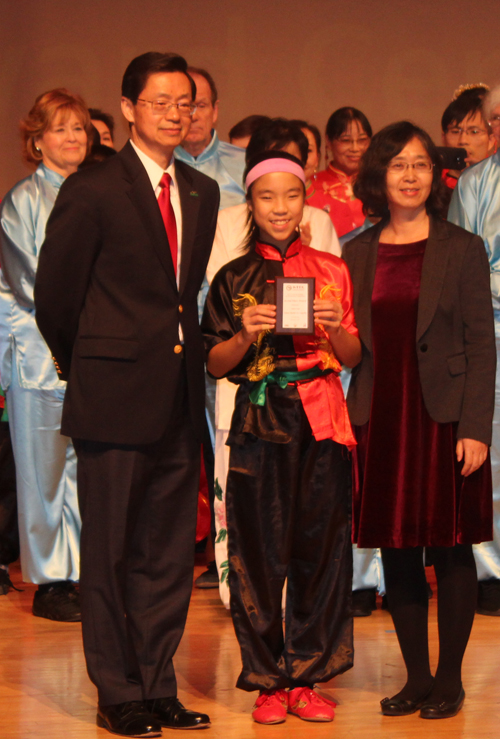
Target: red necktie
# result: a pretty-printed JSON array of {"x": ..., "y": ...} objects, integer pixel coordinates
[{"x": 168, "y": 216}]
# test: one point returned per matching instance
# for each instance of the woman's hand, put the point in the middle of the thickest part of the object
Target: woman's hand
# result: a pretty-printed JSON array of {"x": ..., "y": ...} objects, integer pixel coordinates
[
  {"x": 257, "y": 318},
  {"x": 329, "y": 313},
  {"x": 473, "y": 453}
]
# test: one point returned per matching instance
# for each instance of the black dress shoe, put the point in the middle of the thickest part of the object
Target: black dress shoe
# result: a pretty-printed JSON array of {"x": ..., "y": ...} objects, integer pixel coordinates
[
  {"x": 400, "y": 707},
  {"x": 57, "y": 601},
  {"x": 445, "y": 709},
  {"x": 171, "y": 713},
  {"x": 364, "y": 602},
  {"x": 128, "y": 719}
]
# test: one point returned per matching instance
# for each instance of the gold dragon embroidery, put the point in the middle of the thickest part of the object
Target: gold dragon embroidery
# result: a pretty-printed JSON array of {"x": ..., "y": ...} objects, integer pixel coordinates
[
  {"x": 325, "y": 350},
  {"x": 263, "y": 362}
]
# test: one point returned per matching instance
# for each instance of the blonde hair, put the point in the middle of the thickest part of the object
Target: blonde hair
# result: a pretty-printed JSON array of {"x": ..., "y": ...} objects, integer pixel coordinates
[{"x": 42, "y": 115}]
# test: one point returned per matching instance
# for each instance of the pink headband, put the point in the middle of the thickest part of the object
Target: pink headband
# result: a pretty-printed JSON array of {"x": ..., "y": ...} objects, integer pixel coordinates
[{"x": 274, "y": 165}]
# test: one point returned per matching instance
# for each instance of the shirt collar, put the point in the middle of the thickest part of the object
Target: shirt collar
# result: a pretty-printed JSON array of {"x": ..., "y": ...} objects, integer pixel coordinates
[
  {"x": 154, "y": 171},
  {"x": 207, "y": 153},
  {"x": 272, "y": 252},
  {"x": 54, "y": 178}
]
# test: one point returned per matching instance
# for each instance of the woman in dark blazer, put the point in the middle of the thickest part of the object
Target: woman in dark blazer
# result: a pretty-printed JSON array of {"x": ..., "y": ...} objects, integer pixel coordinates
[{"x": 422, "y": 403}]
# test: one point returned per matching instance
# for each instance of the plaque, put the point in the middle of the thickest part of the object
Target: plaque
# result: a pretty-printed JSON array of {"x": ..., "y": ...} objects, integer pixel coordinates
[{"x": 294, "y": 305}]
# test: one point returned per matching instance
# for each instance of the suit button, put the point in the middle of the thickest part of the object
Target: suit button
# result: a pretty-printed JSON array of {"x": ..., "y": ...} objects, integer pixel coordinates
[
  {"x": 181, "y": 309},
  {"x": 423, "y": 347},
  {"x": 178, "y": 348}
]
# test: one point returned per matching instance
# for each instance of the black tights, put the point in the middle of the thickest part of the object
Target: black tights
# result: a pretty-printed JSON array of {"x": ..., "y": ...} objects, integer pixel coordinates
[{"x": 408, "y": 602}]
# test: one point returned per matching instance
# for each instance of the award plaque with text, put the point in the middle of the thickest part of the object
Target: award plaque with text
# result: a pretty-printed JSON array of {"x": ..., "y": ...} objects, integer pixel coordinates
[{"x": 294, "y": 305}]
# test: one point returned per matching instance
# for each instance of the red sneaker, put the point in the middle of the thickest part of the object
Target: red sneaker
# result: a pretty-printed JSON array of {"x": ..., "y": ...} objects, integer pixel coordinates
[
  {"x": 270, "y": 707},
  {"x": 308, "y": 705}
]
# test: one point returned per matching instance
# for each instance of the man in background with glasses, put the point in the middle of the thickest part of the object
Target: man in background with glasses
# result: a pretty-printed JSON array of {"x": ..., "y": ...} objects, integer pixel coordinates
[
  {"x": 124, "y": 257},
  {"x": 463, "y": 125},
  {"x": 475, "y": 205}
]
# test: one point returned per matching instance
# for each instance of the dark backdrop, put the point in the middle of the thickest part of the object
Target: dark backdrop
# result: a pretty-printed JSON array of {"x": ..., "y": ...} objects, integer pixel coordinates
[{"x": 391, "y": 58}]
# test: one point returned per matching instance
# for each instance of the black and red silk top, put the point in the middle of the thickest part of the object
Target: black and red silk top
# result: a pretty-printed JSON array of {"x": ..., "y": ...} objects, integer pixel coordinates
[{"x": 250, "y": 280}]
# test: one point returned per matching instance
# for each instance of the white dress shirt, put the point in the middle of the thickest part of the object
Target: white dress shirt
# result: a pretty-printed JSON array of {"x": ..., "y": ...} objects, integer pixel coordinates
[{"x": 155, "y": 173}]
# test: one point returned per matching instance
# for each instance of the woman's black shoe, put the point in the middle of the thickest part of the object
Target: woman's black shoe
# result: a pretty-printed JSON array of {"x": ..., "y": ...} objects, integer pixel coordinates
[
  {"x": 445, "y": 709},
  {"x": 401, "y": 707}
]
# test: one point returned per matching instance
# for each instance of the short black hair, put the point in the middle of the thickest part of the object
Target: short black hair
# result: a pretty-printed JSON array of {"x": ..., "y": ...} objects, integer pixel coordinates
[
  {"x": 370, "y": 184},
  {"x": 339, "y": 121},
  {"x": 214, "y": 95},
  {"x": 247, "y": 126},
  {"x": 96, "y": 114},
  {"x": 277, "y": 133},
  {"x": 152, "y": 62},
  {"x": 310, "y": 127},
  {"x": 467, "y": 103}
]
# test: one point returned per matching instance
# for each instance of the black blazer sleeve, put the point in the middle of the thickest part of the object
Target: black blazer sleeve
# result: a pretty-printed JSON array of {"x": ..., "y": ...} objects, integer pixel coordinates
[{"x": 70, "y": 248}]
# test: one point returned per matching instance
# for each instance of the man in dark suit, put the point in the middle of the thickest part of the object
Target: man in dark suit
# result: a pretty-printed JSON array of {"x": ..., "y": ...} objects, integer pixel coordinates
[{"x": 126, "y": 250}]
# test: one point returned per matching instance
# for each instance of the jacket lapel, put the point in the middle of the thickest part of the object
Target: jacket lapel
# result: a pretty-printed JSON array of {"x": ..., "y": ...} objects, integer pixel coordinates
[
  {"x": 190, "y": 204},
  {"x": 367, "y": 257},
  {"x": 433, "y": 273},
  {"x": 144, "y": 201}
]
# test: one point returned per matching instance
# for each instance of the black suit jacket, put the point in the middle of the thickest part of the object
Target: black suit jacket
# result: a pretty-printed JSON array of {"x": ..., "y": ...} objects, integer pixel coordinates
[
  {"x": 107, "y": 302},
  {"x": 455, "y": 338}
]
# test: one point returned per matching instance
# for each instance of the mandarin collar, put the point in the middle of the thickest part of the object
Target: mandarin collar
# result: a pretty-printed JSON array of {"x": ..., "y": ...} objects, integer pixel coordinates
[
  {"x": 48, "y": 174},
  {"x": 343, "y": 175},
  {"x": 273, "y": 253},
  {"x": 205, "y": 155}
]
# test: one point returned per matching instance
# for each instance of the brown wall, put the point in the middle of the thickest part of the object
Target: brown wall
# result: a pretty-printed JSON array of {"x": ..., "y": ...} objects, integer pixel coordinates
[{"x": 392, "y": 59}]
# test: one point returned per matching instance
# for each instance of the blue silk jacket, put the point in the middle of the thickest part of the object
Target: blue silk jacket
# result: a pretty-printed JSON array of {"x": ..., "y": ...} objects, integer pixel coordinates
[
  {"x": 23, "y": 217},
  {"x": 475, "y": 205},
  {"x": 225, "y": 164}
]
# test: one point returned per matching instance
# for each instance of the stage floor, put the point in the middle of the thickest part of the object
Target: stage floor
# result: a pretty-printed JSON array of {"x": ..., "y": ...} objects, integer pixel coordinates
[{"x": 45, "y": 691}]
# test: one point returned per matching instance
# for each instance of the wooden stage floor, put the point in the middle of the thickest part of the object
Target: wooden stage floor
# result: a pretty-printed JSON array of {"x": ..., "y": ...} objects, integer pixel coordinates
[{"x": 45, "y": 691}]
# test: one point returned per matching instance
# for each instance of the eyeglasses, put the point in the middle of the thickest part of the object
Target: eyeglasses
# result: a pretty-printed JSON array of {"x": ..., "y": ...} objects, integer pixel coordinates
[
  {"x": 162, "y": 106},
  {"x": 473, "y": 132},
  {"x": 423, "y": 166},
  {"x": 495, "y": 121}
]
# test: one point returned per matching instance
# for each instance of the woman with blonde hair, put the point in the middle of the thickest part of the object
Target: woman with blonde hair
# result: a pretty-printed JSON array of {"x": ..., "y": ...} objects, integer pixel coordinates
[{"x": 55, "y": 139}]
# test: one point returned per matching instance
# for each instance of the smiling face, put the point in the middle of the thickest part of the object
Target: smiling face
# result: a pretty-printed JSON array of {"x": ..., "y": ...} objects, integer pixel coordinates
[
  {"x": 348, "y": 149},
  {"x": 409, "y": 189},
  {"x": 472, "y": 135},
  {"x": 204, "y": 117},
  {"x": 157, "y": 134},
  {"x": 277, "y": 202},
  {"x": 64, "y": 143}
]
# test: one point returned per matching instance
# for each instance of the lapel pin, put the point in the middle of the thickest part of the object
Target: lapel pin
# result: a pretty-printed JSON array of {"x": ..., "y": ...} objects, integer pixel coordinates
[{"x": 194, "y": 194}]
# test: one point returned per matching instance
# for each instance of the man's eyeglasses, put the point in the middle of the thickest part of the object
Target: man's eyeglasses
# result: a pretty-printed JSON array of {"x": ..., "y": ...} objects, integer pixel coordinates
[
  {"x": 473, "y": 131},
  {"x": 163, "y": 106}
]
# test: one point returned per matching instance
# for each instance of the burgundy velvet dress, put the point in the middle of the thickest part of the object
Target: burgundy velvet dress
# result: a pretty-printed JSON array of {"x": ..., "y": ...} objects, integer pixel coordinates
[{"x": 410, "y": 491}]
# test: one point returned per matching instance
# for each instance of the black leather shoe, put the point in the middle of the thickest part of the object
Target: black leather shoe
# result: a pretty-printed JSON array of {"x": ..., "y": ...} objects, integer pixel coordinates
[
  {"x": 128, "y": 719},
  {"x": 57, "y": 601},
  {"x": 445, "y": 709},
  {"x": 171, "y": 713},
  {"x": 400, "y": 707},
  {"x": 364, "y": 602}
]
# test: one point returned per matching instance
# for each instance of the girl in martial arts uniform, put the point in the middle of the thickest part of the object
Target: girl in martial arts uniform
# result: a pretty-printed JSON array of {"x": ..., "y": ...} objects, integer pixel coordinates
[{"x": 288, "y": 487}]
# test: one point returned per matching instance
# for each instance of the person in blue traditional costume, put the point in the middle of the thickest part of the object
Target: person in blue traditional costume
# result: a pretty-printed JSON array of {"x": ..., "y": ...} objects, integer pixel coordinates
[
  {"x": 55, "y": 138},
  {"x": 421, "y": 401},
  {"x": 288, "y": 487},
  {"x": 475, "y": 205}
]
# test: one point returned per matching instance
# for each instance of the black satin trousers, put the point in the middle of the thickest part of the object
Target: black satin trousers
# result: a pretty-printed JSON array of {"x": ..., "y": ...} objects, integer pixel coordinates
[{"x": 288, "y": 517}]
